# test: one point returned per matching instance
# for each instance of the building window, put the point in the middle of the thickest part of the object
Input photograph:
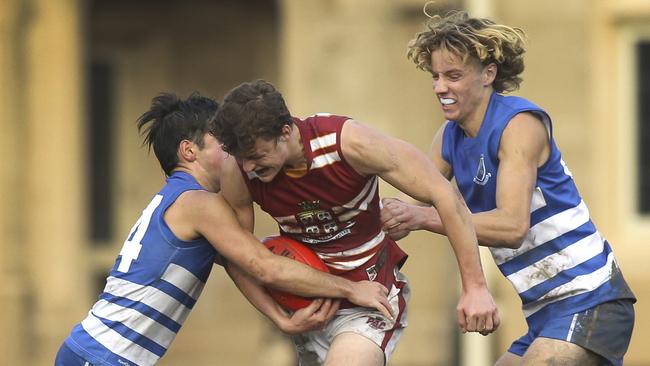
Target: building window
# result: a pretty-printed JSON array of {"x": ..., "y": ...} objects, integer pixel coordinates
[
  {"x": 643, "y": 125},
  {"x": 100, "y": 147}
]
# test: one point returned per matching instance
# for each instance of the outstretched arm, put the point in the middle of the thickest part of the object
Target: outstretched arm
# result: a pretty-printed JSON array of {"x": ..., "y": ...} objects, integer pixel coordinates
[
  {"x": 410, "y": 171},
  {"x": 524, "y": 147}
]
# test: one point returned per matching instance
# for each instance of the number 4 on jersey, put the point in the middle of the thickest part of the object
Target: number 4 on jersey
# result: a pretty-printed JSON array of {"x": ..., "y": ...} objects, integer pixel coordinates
[{"x": 131, "y": 249}]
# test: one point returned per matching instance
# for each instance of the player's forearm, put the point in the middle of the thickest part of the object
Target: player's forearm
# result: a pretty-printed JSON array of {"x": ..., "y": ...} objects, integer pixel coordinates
[
  {"x": 461, "y": 234},
  {"x": 294, "y": 277},
  {"x": 493, "y": 228},
  {"x": 257, "y": 296},
  {"x": 499, "y": 230},
  {"x": 431, "y": 220}
]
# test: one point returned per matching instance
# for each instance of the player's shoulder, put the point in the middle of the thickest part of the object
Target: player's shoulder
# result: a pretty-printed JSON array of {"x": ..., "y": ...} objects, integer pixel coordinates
[
  {"x": 197, "y": 202},
  {"x": 325, "y": 119},
  {"x": 525, "y": 130}
]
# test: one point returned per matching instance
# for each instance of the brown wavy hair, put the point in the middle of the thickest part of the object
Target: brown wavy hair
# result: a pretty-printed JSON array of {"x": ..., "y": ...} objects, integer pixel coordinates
[
  {"x": 252, "y": 110},
  {"x": 477, "y": 38}
]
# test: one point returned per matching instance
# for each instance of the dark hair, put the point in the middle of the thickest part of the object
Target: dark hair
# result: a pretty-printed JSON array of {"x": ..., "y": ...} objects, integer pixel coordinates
[
  {"x": 250, "y": 111},
  {"x": 478, "y": 38},
  {"x": 171, "y": 120}
]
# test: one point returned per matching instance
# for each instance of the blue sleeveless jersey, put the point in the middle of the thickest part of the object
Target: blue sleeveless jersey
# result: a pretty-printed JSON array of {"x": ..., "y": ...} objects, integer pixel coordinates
[
  {"x": 564, "y": 264},
  {"x": 150, "y": 291}
]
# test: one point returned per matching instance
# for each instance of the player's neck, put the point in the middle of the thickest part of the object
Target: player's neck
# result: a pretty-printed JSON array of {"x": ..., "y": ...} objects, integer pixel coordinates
[
  {"x": 472, "y": 124},
  {"x": 297, "y": 159},
  {"x": 201, "y": 177}
]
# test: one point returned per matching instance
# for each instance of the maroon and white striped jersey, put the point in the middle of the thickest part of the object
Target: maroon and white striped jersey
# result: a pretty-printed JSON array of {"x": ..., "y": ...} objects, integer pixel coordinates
[{"x": 332, "y": 208}]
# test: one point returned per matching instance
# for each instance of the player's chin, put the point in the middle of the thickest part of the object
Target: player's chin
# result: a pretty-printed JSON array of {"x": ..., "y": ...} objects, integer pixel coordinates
[
  {"x": 266, "y": 178},
  {"x": 267, "y": 175}
]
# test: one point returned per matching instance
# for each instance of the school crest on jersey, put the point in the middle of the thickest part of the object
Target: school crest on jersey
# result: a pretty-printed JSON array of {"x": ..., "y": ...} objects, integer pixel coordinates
[
  {"x": 320, "y": 224},
  {"x": 482, "y": 176}
]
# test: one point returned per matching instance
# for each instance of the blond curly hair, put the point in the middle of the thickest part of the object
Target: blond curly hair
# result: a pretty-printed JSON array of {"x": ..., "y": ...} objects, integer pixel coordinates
[{"x": 477, "y": 38}]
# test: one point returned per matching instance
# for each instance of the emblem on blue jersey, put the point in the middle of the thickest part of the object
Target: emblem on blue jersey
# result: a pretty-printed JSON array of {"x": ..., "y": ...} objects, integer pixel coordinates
[{"x": 481, "y": 177}]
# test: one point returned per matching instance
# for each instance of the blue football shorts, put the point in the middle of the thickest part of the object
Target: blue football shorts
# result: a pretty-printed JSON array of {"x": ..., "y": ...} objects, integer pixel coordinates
[
  {"x": 65, "y": 357},
  {"x": 605, "y": 329}
]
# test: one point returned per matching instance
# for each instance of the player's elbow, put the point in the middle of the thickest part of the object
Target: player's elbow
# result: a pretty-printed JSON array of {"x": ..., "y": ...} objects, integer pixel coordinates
[
  {"x": 516, "y": 235},
  {"x": 261, "y": 269}
]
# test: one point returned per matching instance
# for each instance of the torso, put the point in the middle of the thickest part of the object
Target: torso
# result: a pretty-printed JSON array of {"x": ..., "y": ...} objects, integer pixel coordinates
[
  {"x": 564, "y": 264},
  {"x": 332, "y": 208},
  {"x": 150, "y": 291}
]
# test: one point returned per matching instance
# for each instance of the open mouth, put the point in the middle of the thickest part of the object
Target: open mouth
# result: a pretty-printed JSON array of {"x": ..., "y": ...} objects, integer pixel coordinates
[
  {"x": 447, "y": 101},
  {"x": 261, "y": 172}
]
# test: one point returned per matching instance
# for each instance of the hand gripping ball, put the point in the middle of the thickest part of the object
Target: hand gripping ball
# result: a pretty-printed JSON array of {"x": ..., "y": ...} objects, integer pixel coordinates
[{"x": 290, "y": 248}]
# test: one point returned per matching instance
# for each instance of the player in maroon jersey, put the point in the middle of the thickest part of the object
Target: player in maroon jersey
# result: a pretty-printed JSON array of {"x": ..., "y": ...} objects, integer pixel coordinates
[{"x": 318, "y": 178}]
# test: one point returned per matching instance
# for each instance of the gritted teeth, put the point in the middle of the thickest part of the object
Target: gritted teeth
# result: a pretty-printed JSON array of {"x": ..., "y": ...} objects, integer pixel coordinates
[{"x": 447, "y": 101}]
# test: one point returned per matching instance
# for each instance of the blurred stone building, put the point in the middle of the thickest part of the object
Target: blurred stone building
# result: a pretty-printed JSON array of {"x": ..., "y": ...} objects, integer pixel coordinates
[{"x": 75, "y": 75}]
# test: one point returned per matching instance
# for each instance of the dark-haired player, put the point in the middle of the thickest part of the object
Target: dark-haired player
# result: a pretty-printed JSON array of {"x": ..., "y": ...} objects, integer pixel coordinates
[{"x": 168, "y": 255}]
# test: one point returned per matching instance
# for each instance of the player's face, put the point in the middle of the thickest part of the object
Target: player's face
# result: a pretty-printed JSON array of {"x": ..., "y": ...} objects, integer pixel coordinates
[
  {"x": 460, "y": 87},
  {"x": 211, "y": 157},
  {"x": 267, "y": 158}
]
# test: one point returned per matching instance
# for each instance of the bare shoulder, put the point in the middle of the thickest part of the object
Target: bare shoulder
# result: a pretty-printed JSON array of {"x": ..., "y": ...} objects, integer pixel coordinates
[
  {"x": 199, "y": 205},
  {"x": 526, "y": 125},
  {"x": 525, "y": 136},
  {"x": 368, "y": 150},
  {"x": 353, "y": 134},
  {"x": 189, "y": 210}
]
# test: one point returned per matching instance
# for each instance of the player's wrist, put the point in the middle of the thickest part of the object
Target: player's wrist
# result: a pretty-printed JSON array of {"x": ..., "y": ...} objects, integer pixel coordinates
[
  {"x": 476, "y": 283},
  {"x": 348, "y": 288}
]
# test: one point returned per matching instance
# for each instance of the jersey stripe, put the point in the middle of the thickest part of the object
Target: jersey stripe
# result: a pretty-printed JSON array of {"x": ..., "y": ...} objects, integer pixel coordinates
[
  {"x": 117, "y": 343},
  {"x": 544, "y": 231},
  {"x": 577, "y": 253},
  {"x": 362, "y": 200},
  {"x": 146, "y": 310},
  {"x": 353, "y": 258},
  {"x": 184, "y": 280},
  {"x": 150, "y": 296},
  {"x": 325, "y": 159},
  {"x": 135, "y": 321},
  {"x": 564, "y": 277},
  {"x": 580, "y": 284},
  {"x": 550, "y": 247},
  {"x": 567, "y": 201},
  {"x": 323, "y": 141},
  {"x": 538, "y": 200}
]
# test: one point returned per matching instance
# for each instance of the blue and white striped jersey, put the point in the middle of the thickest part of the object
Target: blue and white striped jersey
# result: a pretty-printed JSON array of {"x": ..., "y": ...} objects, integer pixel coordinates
[
  {"x": 150, "y": 291},
  {"x": 564, "y": 264}
]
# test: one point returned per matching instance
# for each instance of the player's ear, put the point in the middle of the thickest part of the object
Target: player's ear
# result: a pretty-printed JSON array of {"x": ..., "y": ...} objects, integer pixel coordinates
[
  {"x": 489, "y": 73},
  {"x": 187, "y": 150},
  {"x": 286, "y": 132}
]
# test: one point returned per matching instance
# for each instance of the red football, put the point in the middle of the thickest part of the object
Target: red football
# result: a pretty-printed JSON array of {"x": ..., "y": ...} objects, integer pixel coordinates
[{"x": 290, "y": 248}]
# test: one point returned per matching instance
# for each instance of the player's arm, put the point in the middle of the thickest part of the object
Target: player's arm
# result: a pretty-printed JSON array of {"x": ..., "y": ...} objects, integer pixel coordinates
[
  {"x": 234, "y": 190},
  {"x": 524, "y": 147},
  {"x": 409, "y": 170},
  {"x": 403, "y": 214}
]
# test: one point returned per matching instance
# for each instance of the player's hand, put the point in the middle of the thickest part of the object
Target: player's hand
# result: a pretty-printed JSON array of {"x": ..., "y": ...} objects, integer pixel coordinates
[
  {"x": 399, "y": 218},
  {"x": 477, "y": 311},
  {"x": 312, "y": 317},
  {"x": 372, "y": 295}
]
